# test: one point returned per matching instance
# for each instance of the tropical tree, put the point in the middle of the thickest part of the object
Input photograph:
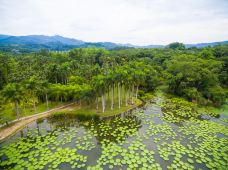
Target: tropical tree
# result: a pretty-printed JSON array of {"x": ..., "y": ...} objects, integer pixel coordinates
[
  {"x": 59, "y": 91},
  {"x": 87, "y": 93},
  {"x": 121, "y": 73},
  {"x": 44, "y": 89},
  {"x": 176, "y": 45},
  {"x": 111, "y": 79},
  {"x": 13, "y": 92},
  {"x": 33, "y": 86},
  {"x": 139, "y": 75},
  {"x": 97, "y": 90},
  {"x": 100, "y": 85},
  {"x": 189, "y": 76},
  {"x": 6, "y": 64}
]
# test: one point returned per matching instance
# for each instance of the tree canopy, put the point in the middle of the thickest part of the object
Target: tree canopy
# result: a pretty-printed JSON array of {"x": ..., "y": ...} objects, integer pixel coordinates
[{"x": 88, "y": 74}]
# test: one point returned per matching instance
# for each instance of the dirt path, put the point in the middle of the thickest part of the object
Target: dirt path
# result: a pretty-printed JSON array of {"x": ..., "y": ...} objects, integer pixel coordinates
[{"x": 21, "y": 123}]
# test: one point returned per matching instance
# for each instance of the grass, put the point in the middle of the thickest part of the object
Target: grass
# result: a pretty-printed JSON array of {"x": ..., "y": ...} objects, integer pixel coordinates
[
  {"x": 218, "y": 110},
  {"x": 90, "y": 109},
  {"x": 8, "y": 113},
  {"x": 200, "y": 108}
]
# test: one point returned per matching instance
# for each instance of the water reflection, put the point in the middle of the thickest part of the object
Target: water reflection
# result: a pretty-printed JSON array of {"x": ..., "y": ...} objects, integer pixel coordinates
[{"x": 102, "y": 128}]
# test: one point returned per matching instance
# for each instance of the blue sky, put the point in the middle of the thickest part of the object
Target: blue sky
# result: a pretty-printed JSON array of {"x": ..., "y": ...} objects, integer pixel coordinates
[{"x": 122, "y": 21}]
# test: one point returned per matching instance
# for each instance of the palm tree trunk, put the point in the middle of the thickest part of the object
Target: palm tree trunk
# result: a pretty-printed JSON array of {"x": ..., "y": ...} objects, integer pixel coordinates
[
  {"x": 108, "y": 94},
  {"x": 119, "y": 95},
  {"x": 34, "y": 105},
  {"x": 103, "y": 103},
  {"x": 97, "y": 104},
  {"x": 104, "y": 100},
  {"x": 17, "y": 110},
  {"x": 24, "y": 108},
  {"x": 126, "y": 97},
  {"x": 137, "y": 89},
  {"x": 47, "y": 104},
  {"x": 112, "y": 92},
  {"x": 30, "y": 108},
  {"x": 132, "y": 94}
]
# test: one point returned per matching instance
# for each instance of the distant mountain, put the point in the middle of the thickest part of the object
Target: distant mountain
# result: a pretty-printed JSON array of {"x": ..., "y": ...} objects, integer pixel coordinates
[
  {"x": 38, "y": 39},
  {"x": 201, "y": 45},
  {"x": 3, "y": 36},
  {"x": 56, "y": 43},
  {"x": 138, "y": 46},
  {"x": 31, "y": 43}
]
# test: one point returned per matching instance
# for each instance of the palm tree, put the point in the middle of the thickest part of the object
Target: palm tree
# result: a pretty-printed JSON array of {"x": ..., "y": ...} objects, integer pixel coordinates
[
  {"x": 97, "y": 90},
  {"x": 87, "y": 93},
  {"x": 111, "y": 82},
  {"x": 25, "y": 101},
  {"x": 54, "y": 72},
  {"x": 75, "y": 91},
  {"x": 99, "y": 86},
  {"x": 132, "y": 81},
  {"x": 140, "y": 76},
  {"x": 100, "y": 83},
  {"x": 13, "y": 92},
  {"x": 45, "y": 90},
  {"x": 64, "y": 70},
  {"x": 127, "y": 84},
  {"x": 32, "y": 85},
  {"x": 120, "y": 74},
  {"x": 58, "y": 91}
]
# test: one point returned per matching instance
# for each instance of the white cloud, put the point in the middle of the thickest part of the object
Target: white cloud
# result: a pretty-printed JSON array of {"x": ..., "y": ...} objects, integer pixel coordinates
[{"x": 123, "y": 21}]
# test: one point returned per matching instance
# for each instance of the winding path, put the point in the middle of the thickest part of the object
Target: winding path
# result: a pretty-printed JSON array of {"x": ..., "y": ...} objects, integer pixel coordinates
[{"x": 22, "y": 122}]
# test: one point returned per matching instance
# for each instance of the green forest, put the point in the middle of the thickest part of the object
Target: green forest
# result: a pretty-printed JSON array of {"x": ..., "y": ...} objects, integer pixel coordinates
[
  {"x": 131, "y": 108},
  {"x": 95, "y": 77}
]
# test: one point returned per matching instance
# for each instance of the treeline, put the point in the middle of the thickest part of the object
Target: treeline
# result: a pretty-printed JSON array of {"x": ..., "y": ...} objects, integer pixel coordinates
[{"x": 88, "y": 74}]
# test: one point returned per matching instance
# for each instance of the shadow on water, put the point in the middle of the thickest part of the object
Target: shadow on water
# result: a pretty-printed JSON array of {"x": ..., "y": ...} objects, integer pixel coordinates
[{"x": 102, "y": 128}]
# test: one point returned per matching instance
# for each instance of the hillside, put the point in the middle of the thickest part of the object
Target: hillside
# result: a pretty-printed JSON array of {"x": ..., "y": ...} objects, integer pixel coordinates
[{"x": 32, "y": 43}]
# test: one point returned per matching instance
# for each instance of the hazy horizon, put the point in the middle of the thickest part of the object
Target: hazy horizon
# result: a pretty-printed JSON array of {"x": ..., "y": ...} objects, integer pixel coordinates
[
  {"x": 119, "y": 21},
  {"x": 116, "y": 42}
]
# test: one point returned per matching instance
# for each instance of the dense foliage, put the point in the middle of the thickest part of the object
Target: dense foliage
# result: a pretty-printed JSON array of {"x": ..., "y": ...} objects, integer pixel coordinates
[{"x": 88, "y": 74}]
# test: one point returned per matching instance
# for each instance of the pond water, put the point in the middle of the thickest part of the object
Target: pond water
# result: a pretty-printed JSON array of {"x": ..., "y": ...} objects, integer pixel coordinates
[{"x": 139, "y": 140}]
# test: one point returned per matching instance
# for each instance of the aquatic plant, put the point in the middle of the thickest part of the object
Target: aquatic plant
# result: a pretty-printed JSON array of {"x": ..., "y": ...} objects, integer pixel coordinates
[{"x": 144, "y": 140}]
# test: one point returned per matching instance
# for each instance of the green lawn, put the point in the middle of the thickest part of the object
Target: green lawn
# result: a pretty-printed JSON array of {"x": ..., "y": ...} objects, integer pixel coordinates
[{"x": 8, "y": 113}]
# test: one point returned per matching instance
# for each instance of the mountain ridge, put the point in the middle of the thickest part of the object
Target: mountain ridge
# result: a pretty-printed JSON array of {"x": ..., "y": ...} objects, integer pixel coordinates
[{"x": 60, "y": 43}]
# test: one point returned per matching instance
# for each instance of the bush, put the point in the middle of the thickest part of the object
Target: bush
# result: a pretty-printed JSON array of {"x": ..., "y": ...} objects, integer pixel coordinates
[{"x": 217, "y": 95}]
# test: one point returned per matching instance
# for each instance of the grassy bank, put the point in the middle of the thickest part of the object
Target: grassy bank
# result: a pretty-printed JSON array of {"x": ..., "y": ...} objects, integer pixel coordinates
[
  {"x": 209, "y": 110},
  {"x": 8, "y": 112},
  {"x": 218, "y": 110},
  {"x": 90, "y": 110}
]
